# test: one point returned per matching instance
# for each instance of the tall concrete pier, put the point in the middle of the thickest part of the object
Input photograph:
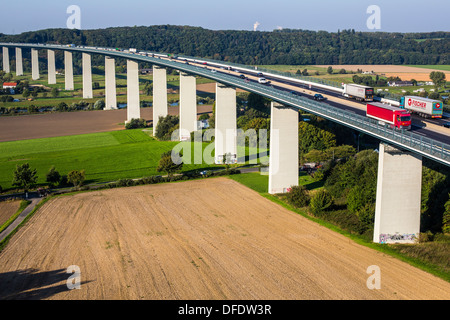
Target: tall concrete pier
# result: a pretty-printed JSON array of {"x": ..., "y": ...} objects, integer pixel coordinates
[
  {"x": 68, "y": 70},
  {"x": 51, "y": 66},
  {"x": 225, "y": 124},
  {"x": 133, "y": 103},
  {"x": 34, "y": 64},
  {"x": 110, "y": 84},
  {"x": 398, "y": 201},
  {"x": 160, "y": 108},
  {"x": 87, "y": 76},
  {"x": 6, "y": 66},
  {"x": 19, "y": 62},
  {"x": 188, "y": 105},
  {"x": 283, "y": 160}
]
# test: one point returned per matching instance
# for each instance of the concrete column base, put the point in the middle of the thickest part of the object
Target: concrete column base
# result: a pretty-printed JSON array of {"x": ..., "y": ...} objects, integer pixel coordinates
[
  {"x": 87, "y": 76},
  {"x": 133, "y": 103},
  {"x": 188, "y": 105},
  {"x": 35, "y": 64},
  {"x": 51, "y": 67},
  {"x": 283, "y": 160},
  {"x": 110, "y": 84},
  {"x": 68, "y": 70},
  {"x": 6, "y": 66},
  {"x": 225, "y": 123},
  {"x": 399, "y": 186},
  {"x": 160, "y": 108},
  {"x": 19, "y": 62}
]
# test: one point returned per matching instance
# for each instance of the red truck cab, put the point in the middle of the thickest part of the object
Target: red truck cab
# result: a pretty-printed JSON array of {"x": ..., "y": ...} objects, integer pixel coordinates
[{"x": 389, "y": 116}]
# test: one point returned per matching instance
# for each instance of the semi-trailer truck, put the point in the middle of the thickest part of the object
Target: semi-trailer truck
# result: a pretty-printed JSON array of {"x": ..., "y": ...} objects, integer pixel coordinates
[
  {"x": 389, "y": 116},
  {"x": 358, "y": 92},
  {"x": 424, "y": 107}
]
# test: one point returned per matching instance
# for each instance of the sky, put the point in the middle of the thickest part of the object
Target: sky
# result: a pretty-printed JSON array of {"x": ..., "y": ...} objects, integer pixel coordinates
[{"x": 259, "y": 15}]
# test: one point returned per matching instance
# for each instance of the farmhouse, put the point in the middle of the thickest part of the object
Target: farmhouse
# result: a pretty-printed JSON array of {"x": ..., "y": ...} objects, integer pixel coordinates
[
  {"x": 400, "y": 83},
  {"x": 9, "y": 85}
]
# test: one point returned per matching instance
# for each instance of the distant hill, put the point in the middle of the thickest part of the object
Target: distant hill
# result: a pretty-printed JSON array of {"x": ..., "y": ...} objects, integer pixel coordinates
[{"x": 289, "y": 46}]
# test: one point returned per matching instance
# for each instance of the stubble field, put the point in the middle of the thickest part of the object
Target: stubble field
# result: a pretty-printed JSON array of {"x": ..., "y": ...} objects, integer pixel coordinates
[{"x": 203, "y": 239}]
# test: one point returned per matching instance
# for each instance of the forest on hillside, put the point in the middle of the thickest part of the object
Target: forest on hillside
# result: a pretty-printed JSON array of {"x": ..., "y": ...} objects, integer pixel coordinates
[{"x": 287, "y": 47}]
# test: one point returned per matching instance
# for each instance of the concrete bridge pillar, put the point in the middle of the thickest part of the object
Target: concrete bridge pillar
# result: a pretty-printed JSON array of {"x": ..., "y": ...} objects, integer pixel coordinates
[
  {"x": 225, "y": 123},
  {"x": 19, "y": 62},
  {"x": 110, "y": 84},
  {"x": 133, "y": 103},
  {"x": 399, "y": 185},
  {"x": 51, "y": 66},
  {"x": 87, "y": 76},
  {"x": 188, "y": 105},
  {"x": 283, "y": 160},
  {"x": 6, "y": 66},
  {"x": 34, "y": 64},
  {"x": 160, "y": 108},
  {"x": 68, "y": 70}
]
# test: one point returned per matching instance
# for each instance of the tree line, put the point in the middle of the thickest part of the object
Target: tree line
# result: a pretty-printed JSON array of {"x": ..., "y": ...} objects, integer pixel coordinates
[{"x": 288, "y": 46}]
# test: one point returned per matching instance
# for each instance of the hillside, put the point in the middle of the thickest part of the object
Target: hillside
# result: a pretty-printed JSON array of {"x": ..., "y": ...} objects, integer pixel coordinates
[{"x": 289, "y": 47}]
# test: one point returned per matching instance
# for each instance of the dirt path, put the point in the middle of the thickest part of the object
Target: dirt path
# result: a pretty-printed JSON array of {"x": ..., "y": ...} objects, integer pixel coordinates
[{"x": 204, "y": 239}]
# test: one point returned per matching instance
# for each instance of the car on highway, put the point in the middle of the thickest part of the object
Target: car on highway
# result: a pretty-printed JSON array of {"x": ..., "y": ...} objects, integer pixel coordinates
[
  {"x": 259, "y": 74},
  {"x": 446, "y": 124},
  {"x": 242, "y": 76},
  {"x": 319, "y": 97},
  {"x": 213, "y": 70},
  {"x": 263, "y": 80}
]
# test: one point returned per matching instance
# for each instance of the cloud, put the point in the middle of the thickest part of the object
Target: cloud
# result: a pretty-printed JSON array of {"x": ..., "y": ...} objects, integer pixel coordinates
[{"x": 255, "y": 25}]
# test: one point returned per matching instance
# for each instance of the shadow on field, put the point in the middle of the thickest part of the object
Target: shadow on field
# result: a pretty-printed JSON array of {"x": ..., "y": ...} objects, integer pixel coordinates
[{"x": 30, "y": 284}]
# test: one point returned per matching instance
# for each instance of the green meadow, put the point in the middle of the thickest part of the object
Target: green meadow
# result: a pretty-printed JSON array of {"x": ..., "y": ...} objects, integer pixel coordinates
[{"x": 107, "y": 156}]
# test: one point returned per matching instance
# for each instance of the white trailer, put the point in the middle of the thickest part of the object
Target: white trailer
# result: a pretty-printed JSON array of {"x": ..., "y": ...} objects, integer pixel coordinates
[
  {"x": 424, "y": 107},
  {"x": 358, "y": 92}
]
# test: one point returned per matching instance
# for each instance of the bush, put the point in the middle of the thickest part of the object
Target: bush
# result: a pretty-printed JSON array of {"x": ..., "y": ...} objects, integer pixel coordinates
[
  {"x": 298, "y": 196},
  {"x": 136, "y": 123},
  {"x": 53, "y": 177},
  {"x": 321, "y": 201}
]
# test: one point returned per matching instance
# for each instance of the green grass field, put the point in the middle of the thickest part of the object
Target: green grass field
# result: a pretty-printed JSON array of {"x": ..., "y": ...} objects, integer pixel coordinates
[
  {"x": 105, "y": 157},
  {"x": 444, "y": 67},
  {"x": 260, "y": 183}
]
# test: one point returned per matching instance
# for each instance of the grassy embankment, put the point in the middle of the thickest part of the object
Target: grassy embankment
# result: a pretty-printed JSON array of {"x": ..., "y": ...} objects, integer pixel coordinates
[{"x": 431, "y": 256}]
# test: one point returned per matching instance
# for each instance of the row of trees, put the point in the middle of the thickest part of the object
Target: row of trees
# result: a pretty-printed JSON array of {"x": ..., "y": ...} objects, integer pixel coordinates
[
  {"x": 290, "y": 47},
  {"x": 25, "y": 178}
]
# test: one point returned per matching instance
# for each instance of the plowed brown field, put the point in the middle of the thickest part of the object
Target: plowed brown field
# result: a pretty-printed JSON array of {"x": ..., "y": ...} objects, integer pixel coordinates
[{"x": 204, "y": 239}]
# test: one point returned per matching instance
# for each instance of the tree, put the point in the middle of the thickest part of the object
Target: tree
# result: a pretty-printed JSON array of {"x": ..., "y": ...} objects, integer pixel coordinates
[
  {"x": 76, "y": 177},
  {"x": 24, "y": 177},
  {"x": 166, "y": 164},
  {"x": 54, "y": 92},
  {"x": 297, "y": 196},
  {"x": 99, "y": 104},
  {"x": 136, "y": 123},
  {"x": 330, "y": 70},
  {"x": 445, "y": 217},
  {"x": 165, "y": 127},
  {"x": 321, "y": 201},
  {"x": 53, "y": 176},
  {"x": 25, "y": 93},
  {"x": 438, "y": 78}
]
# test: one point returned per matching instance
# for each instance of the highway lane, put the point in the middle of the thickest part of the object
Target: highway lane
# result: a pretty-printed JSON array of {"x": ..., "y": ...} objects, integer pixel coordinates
[{"x": 431, "y": 128}]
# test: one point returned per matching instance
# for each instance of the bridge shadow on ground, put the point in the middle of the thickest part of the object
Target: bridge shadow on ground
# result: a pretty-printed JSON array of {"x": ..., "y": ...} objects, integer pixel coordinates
[{"x": 30, "y": 284}]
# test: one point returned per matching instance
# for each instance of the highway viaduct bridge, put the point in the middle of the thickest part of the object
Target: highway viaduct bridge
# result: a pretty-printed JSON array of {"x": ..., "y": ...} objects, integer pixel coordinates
[{"x": 397, "y": 213}]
